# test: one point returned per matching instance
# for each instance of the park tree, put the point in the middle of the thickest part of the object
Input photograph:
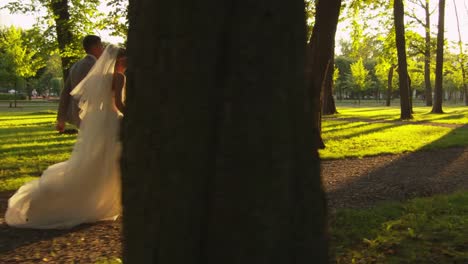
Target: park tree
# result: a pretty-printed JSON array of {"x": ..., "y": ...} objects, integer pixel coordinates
[
  {"x": 360, "y": 77},
  {"x": 387, "y": 61},
  {"x": 218, "y": 162},
  {"x": 384, "y": 48},
  {"x": 50, "y": 79},
  {"x": 19, "y": 61},
  {"x": 384, "y": 72},
  {"x": 461, "y": 57},
  {"x": 398, "y": 12},
  {"x": 438, "y": 91},
  {"x": 328, "y": 101},
  {"x": 320, "y": 66},
  {"x": 453, "y": 77},
  {"x": 65, "y": 22},
  {"x": 426, "y": 24},
  {"x": 320, "y": 60},
  {"x": 344, "y": 79}
]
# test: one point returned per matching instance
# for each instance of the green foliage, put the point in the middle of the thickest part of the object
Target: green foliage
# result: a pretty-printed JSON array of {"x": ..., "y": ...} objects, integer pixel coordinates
[
  {"x": 18, "y": 59},
  {"x": 428, "y": 230},
  {"x": 84, "y": 19},
  {"x": 310, "y": 16},
  {"x": 116, "y": 21},
  {"x": 360, "y": 74},
  {"x": 51, "y": 80},
  {"x": 12, "y": 96}
]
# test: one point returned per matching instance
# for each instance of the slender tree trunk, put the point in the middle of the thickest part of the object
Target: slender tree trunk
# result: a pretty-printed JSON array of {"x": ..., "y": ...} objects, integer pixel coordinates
[
  {"x": 63, "y": 28},
  {"x": 390, "y": 84},
  {"x": 328, "y": 101},
  {"x": 218, "y": 162},
  {"x": 410, "y": 94},
  {"x": 319, "y": 58},
  {"x": 398, "y": 11},
  {"x": 427, "y": 55},
  {"x": 465, "y": 93},
  {"x": 438, "y": 95},
  {"x": 462, "y": 54}
]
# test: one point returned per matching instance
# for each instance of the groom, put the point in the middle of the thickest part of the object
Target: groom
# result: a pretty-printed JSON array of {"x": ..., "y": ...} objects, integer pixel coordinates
[{"x": 68, "y": 110}]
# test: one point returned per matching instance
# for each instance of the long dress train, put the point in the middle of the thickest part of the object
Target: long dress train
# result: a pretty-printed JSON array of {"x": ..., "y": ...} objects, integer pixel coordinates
[{"x": 86, "y": 188}]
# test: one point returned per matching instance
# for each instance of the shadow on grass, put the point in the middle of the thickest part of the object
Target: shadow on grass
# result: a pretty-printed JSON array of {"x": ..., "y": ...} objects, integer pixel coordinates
[
  {"x": 401, "y": 177},
  {"x": 382, "y": 127},
  {"x": 342, "y": 126},
  {"x": 45, "y": 150},
  {"x": 39, "y": 141}
]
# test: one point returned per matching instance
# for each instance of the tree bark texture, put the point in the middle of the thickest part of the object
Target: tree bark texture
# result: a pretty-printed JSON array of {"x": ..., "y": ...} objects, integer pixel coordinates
[
  {"x": 60, "y": 9},
  {"x": 319, "y": 58},
  {"x": 461, "y": 55},
  {"x": 438, "y": 91},
  {"x": 328, "y": 101},
  {"x": 390, "y": 84},
  {"x": 218, "y": 163},
  {"x": 398, "y": 11},
  {"x": 427, "y": 55}
]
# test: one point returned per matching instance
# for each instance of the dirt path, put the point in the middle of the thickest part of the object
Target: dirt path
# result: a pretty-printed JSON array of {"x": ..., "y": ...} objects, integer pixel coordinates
[
  {"x": 365, "y": 182},
  {"x": 349, "y": 183}
]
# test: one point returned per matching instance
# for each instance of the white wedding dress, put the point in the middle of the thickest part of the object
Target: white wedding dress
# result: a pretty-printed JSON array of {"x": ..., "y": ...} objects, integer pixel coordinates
[{"x": 86, "y": 188}]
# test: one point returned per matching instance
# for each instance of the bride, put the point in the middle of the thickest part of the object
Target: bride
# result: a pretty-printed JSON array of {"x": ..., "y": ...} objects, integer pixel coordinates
[{"x": 86, "y": 188}]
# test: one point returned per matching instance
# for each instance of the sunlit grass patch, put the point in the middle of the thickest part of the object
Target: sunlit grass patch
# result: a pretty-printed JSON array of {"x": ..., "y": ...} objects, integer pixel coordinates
[
  {"x": 383, "y": 113},
  {"x": 424, "y": 230},
  {"x": 452, "y": 115},
  {"x": 353, "y": 132},
  {"x": 28, "y": 145},
  {"x": 10, "y": 184},
  {"x": 384, "y": 138}
]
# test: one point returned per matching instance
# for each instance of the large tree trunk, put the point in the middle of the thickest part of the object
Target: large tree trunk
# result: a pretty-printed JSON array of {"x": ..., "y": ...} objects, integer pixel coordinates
[
  {"x": 398, "y": 11},
  {"x": 319, "y": 58},
  {"x": 390, "y": 85},
  {"x": 328, "y": 101},
  {"x": 218, "y": 162},
  {"x": 63, "y": 28},
  {"x": 438, "y": 92}
]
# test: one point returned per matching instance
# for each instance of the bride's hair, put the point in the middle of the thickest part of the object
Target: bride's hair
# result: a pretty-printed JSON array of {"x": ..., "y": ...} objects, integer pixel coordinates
[{"x": 121, "y": 53}]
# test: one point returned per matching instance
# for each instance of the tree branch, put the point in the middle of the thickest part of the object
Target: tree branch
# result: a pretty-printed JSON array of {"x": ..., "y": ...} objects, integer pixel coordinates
[{"x": 413, "y": 16}]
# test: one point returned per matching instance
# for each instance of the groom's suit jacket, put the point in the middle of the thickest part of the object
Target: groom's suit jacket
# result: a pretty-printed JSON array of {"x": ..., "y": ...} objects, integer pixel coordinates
[{"x": 68, "y": 110}]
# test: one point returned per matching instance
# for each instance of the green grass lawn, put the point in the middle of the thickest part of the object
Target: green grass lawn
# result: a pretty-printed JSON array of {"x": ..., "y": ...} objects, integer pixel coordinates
[
  {"x": 29, "y": 144},
  {"x": 348, "y": 134},
  {"x": 430, "y": 230}
]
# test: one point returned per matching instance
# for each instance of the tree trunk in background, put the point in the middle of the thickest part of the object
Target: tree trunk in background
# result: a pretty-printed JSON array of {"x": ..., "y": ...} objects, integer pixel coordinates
[
  {"x": 218, "y": 162},
  {"x": 319, "y": 58},
  {"x": 63, "y": 28},
  {"x": 438, "y": 91},
  {"x": 427, "y": 55},
  {"x": 328, "y": 101},
  {"x": 410, "y": 94},
  {"x": 390, "y": 84},
  {"x": 398, "y": 11},
  {"x": 462, "y": 54}
]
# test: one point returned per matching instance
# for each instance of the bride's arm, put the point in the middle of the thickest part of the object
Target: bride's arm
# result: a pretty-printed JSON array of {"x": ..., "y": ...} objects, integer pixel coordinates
[{"x": 118, "y": 83}]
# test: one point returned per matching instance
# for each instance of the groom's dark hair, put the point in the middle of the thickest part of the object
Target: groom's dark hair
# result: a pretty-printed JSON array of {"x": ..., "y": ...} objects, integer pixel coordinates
[{"x": 89, "y": 41}]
